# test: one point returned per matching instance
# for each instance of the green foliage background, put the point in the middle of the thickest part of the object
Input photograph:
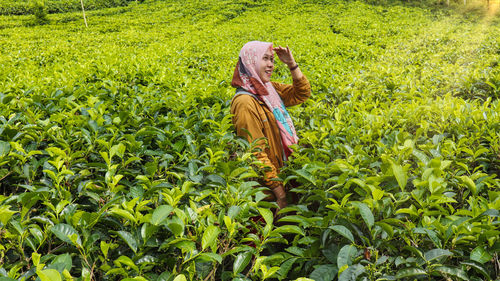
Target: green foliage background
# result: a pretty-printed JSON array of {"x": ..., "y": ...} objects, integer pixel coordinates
[
  {"x": 118, "y": 159},
  {"x": 25, "y": 7}
]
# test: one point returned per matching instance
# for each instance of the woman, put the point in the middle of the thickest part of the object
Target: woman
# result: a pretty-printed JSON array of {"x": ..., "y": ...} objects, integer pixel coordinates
[{"x": 259, "y": 111}]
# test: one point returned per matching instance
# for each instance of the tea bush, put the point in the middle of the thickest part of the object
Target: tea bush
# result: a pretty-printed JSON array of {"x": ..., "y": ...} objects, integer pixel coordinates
[
  {"x": 25, "y": 7},
  {"x": 118, "y": 159}
]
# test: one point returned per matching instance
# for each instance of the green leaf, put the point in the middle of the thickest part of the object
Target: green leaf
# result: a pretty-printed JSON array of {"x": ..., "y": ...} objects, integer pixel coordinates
[
  {"x": 342, "y": 230},
  {"x": 180, "y": 277},
  {"x": 6, "y": 214},
  {"x": 241, "y": 262},
  {"x": 4, "y": 148},
  {"x": 436, "y": 254},
  {"x": 267, "y": 215},
  {"x": 286, "y": 266},
  {"x": 64, "y": 232},
  {"x": 160, "y": 214},
  {"x": 123, "y": 213},
  {"x": 399, "y": 174},
  {"x": 209, "y": 238},
  {"x": 129, "y": 239},
  {"x": 49, "y": 275},
  {"x": 211, "y": 257},
  {"x": 324, "y": 272},
  {"x": 176, "y": 228},
  {"x": 478, "y": 267},
  {"x": 451, "y": 271},
  {"x": 471, "y": 185},
  {"x": 64, "y": 260},
  {"x": 128, "y": 262},
  {"x": 306, "y": 175},
  {"x": 386, "y": 227},
  {"x": 289, "y": 229},
  {"x": 480, "y": 255},
  {"x": 346, "y": 255},
  {"x": 352, "y": 273},
  {"x": 410, "y": 272},
  {"x": 366, "y": 213}
]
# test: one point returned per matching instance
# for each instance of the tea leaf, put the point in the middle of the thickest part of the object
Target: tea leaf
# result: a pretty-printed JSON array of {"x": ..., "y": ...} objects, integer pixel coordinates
[
  {"x": 64, "y": 232},
  {"x": 436, "y": 254},
  {"x": 352, "y": 273},
  {"x": 346, "y": 255},
  {"x": 241, "y": 262},
  {"x": 4, "y": 148},
  {"x": 325, "y": 272},
  {"x": 49, "y": 275},
  {"x": 342, "y": 230},
  {"x": 410, "y": 272},
  {"x": 452, "y": 271},
  {"x": 366, "y": 213},
  {"x": 209, "y": 238},
  {"x": 129, "y": 239},
  {"x": 6, "y": 214},
  {"x": 160, "y": 214},
  {"x": 400, "y": 175},
  {"x": 480, "y": 255}
]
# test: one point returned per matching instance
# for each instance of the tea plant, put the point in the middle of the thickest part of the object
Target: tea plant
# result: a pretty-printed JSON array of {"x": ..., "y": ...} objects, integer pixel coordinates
[{"x": 118, "y": 160}]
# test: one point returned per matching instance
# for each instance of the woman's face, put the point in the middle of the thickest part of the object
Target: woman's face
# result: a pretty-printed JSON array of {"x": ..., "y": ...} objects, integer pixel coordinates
[{"x": 265, "y": 66}]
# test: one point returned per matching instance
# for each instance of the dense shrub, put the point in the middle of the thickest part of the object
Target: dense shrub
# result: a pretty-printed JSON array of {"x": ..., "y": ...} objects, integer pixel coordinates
[
  {"x": 118, "y": 160},
  {"x": 24, "y": 7}
]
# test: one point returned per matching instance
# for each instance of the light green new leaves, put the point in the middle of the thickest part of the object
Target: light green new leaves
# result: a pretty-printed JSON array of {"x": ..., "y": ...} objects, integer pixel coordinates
[
  {"x": 209, "y": 238},
  {"x": 471, "y": 185},
  {"x": 6, "y": 214},
  {"x": 399, "y": 174},
  {"x": 49, "y": 275},
  {"x": 180, "y": 277}
]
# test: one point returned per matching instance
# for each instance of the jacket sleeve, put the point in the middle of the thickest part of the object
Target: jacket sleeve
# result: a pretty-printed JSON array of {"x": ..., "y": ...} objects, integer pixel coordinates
[
  {"x": 249, "y": 124},
  {"x": 294, "y": 94}
]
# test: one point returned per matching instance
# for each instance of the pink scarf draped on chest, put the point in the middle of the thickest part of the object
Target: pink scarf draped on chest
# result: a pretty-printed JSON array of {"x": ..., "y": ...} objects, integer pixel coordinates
[{"x": 246, "y": 77}]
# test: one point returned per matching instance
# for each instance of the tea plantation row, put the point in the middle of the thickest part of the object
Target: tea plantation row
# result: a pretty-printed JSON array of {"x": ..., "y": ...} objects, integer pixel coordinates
[
  {"x": 118, "y": 159},
  {"x": 24, "y": 7}
]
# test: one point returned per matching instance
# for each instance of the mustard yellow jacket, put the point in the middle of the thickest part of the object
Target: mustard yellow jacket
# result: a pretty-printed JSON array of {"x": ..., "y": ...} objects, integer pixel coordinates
[{"x": 253, "y": 120}]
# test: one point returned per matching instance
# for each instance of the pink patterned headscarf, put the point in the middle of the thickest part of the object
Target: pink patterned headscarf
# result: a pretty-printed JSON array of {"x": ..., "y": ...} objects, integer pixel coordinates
[{"x": 245, "y": 76}]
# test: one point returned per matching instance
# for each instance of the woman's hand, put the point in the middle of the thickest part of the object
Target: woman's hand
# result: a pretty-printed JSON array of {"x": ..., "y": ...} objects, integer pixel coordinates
[{"x": 285, "y": 55}]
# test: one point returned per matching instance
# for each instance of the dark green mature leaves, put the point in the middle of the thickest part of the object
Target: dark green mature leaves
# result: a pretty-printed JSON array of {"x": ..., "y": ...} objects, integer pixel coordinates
[
  {"x": 324, "y": 272},
  {"x": 480, "y": 255},
  {"x": 410, "y": 272},
  {"x": 129, "y": 239},
  {"x": 66, "y": 233},
  {"x": 436, "y": 254},
  {"x": 366, "y": 213},
  {"x": 342, "y": 230}
]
